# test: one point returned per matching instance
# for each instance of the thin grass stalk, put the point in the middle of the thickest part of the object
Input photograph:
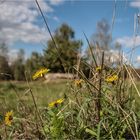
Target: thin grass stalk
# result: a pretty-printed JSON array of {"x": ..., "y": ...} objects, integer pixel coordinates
[
  {"x": 124, "y": 114},
  {"x": 101, "y": 92},
  {"x": 98, "y": 103},
  {"x": 78, "y": 63},
  {"x": 132, "y": 81},
  {"x": 84, "y": 77},
  {"x": 54, "y": 42},
  {"x": 92, "y": 54},
  {"x": 136, "y": 125},
  {"x": 134, "y": 39},
  {"x": 135, "y": 71},
  {"x": 36, "y": 108},
  {"x": 62, "y": 109},
  {"x": 127, "y": 121},
  {"x": 5, "y": 130},
  {"x": 37, "y": 111},
  {"x": 113, "y": 17}
]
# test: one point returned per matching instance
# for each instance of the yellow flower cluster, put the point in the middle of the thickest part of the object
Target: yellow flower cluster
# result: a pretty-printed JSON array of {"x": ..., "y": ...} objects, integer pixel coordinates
[
  {"x": 78, "y": 82},
  {"x": 112, "y": 78},
  {"x": 9, "y": 118},
  {"x": 55, "y": 103},
  {"x": 40, "y": 73},
  {"x": 98, "y": 68}
]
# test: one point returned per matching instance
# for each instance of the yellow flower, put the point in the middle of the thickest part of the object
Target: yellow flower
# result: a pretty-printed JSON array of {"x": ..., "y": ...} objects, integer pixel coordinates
[
  {"x": 55, "y": 103},
  {"x": 112, "y": 78},
  {"x": 98, "y": 68},
  {"x": 9, "y": 118},
  {"x": 40, "y": 73},
  {"x": 78, "y": 82},
  {"x": 59, "y": 101}
]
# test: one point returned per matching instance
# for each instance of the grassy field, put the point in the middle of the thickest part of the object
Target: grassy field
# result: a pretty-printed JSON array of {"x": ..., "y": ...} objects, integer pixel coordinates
[
  {"x": 44, "y": 93},
  {"x": 76, "y": 118}
]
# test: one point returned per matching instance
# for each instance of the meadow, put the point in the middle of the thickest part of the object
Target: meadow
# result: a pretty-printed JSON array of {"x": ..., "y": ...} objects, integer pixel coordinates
[
  {"x": 44, "y": 92},
  {"x": 13, "y": 94},
  {"x": 69, "y": 109},
  {"x": 100, "y": 102}
]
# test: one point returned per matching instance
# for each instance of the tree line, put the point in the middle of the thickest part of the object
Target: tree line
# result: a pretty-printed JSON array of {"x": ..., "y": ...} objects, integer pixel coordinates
[{"x": 60, "y": 54}]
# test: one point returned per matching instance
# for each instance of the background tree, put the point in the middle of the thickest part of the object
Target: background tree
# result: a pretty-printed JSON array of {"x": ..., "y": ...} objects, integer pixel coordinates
[
  {"x": 35, "y": 62},
  {"x": 68, "y": 49},
  {"x": 100, "y": 40},
  {"x": 5, "y": 71},
  {"x": 102, "y": 35},
  {"x": 17, "y": 66},
  {"x": 4, "y": 50}
]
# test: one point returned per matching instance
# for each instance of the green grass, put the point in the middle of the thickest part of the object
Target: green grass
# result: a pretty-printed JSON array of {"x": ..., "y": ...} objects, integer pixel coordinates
[
  {"x": 43, "y": 92},
  {"x": 77, "y": 115}
]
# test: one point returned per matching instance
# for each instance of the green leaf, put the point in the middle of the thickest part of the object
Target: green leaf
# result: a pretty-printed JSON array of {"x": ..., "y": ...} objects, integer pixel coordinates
[
  {"x": 91, "y": 132},
  {"x": 99, "y": 130}
]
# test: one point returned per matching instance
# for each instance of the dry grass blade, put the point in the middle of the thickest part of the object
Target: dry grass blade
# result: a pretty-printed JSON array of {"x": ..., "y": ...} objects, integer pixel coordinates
[
  {"x": 55, "y": 44},
  {"x": 132, "y": 80},
  {"x": 92, "y": 54}
]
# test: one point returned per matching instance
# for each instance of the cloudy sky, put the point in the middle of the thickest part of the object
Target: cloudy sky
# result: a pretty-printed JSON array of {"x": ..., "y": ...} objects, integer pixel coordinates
[{"x": 21, "y": 25}]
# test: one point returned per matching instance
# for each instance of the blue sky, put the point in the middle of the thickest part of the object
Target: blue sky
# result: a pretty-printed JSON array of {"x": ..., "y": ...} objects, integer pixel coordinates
[{"x": 22, "y": 27}]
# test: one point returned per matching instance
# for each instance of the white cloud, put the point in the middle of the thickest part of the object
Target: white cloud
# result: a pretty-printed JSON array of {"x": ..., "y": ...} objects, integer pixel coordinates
[
  {"x": 56, "y": 18},
  {"x": 56, "y": 2},
  {"x": 138, "y": 59},
  {"x": 17, "y": 21},
  {"x": 12, "y": 55},
  {"x": 129, "y": 41},
  {"x": 135, "y": 4},
  {"x": 115, "y": 56}
]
